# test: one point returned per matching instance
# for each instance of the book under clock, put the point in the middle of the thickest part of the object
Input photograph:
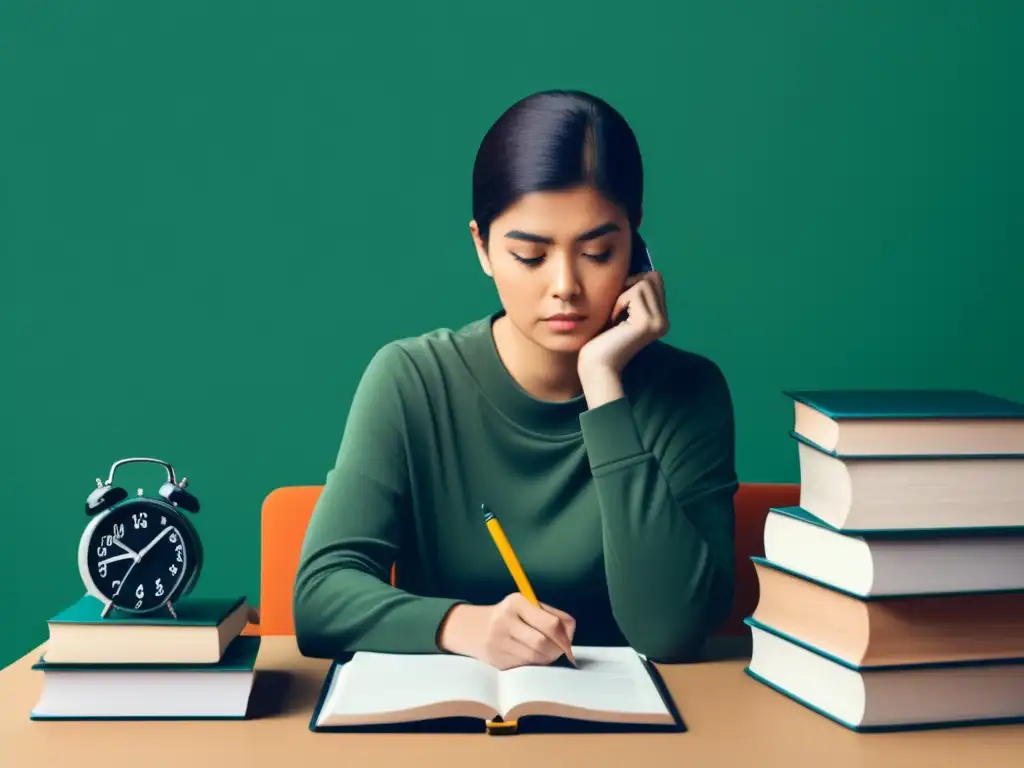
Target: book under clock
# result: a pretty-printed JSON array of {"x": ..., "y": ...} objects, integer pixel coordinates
[
  {"x": 196, "y": 665},
  {"x": 150, "y": 691}
]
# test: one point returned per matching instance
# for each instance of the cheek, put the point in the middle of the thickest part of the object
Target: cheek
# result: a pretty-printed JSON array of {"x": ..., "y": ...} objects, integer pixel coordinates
[
  {"x": 604, "y": 289},
  {"x": 514, "y": 292}
]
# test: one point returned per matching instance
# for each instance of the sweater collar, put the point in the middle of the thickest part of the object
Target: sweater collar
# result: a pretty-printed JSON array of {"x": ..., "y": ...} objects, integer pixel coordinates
[{"x": 552, "y": 418}]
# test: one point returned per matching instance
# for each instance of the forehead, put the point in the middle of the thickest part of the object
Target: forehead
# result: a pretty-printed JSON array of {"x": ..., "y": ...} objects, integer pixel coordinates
[{"x": 561, "y": 212}]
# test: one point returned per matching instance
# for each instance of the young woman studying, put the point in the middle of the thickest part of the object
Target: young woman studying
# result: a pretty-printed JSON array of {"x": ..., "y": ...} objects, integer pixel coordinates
[{"x": 606, "y": 454}]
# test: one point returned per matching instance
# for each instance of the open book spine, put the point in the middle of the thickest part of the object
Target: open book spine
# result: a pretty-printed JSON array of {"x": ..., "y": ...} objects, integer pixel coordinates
[{"x": 499, "y": 727}]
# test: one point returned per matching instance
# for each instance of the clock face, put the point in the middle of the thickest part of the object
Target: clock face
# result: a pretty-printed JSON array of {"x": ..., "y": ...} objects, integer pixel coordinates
[{"x": 139, "y": 554}]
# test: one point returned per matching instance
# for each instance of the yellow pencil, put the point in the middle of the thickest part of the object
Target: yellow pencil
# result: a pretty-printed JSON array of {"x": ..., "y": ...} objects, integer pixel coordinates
[{"x": 512, "y": 563}]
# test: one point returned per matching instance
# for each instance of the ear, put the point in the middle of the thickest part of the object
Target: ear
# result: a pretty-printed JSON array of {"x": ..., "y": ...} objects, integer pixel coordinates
[{"x": 481, "y": 252}]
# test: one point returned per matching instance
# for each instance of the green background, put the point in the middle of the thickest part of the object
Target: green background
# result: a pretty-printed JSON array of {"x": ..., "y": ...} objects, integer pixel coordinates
[{"x": 212, "y": 214}]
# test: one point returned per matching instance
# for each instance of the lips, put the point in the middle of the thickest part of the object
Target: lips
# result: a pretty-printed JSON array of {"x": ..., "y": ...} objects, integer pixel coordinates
[{"x": 565, "y": 322}]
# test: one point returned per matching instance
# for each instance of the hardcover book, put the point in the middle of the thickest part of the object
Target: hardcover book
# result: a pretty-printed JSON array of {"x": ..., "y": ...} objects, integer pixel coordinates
[{"x": 611, "y": 689}]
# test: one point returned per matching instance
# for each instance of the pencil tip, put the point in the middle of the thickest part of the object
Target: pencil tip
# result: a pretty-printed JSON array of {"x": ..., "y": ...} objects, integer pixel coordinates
[{"x": 487, "y": 513}]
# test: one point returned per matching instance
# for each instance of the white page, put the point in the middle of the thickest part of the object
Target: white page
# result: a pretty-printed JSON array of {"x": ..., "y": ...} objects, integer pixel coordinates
[
  {"x": 372, "y": 683},
  {"x": 608, "y": 679}
]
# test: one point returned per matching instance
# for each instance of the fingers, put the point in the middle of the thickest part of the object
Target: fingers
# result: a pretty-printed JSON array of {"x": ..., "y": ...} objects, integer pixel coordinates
[
  {"x": 634, "y": 279},
  {"x": 655, "y": 280},
  {"x": 534, "y": 646},
  {"x": 647, "y": 304},
  {"x": 567, "y": 621},
  {"x": 549, "y": 625},
  {"x": 622, "y": 302}
]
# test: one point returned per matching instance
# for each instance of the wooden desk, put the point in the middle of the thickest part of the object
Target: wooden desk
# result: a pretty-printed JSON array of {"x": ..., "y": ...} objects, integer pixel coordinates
[{"x": 732, "y": 720}]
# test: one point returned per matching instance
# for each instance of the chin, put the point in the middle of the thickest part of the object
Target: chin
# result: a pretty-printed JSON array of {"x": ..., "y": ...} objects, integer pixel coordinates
[{"x": 564, "y": 343}]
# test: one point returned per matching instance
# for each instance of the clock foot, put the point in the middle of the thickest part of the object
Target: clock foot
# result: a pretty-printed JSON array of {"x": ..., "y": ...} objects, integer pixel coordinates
[
  {"x": 106, "y": 610},
  {"x": 170, "y": 609}
]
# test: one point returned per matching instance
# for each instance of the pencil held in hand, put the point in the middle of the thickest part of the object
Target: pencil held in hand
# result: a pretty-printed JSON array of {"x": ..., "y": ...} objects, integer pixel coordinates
[
  {"x": 509, "y": 556},
  {"x": 519, "y": 576}
]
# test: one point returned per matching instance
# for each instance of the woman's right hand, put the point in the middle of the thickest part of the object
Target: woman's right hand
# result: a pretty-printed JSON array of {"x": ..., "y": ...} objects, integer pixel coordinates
[{"x": 508, "y": 634}]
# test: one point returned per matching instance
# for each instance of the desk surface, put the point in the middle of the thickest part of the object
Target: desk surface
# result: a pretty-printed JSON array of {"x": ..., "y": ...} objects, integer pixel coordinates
[{"x": 732, "y": 721}]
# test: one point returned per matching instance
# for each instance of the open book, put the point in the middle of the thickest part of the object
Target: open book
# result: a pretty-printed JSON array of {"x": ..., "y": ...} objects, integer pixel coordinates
[{"x": 612, "y": 689}]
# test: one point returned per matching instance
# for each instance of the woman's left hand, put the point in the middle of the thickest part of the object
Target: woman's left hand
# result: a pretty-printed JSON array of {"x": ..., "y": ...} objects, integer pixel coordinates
[{"x": 612, "y": 349}]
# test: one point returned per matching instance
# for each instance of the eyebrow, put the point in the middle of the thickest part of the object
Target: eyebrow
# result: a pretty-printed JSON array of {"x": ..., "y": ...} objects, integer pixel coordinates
[{"x": 592, "y": 234}]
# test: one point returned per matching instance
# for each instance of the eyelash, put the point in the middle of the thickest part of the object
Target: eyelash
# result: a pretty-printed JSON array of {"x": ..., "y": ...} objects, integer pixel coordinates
[{"x": 600, "y": 258}]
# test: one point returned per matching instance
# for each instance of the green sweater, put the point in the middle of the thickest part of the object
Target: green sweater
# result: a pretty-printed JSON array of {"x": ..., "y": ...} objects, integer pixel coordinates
[{"x": 621, "y": 516}]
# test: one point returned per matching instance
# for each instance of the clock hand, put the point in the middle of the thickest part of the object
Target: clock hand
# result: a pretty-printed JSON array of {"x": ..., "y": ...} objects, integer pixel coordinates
[
  {"x": 139, "y": 556},
  {"x": 115, "y": 558},
  {"x": 125, "y": 577},
  {"x": 152, "y": 544},
  {"x": 127, "y": 549}
]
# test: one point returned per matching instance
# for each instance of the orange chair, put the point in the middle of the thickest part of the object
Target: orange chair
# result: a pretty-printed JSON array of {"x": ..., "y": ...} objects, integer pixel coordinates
[{"x": 286, "y": 513}]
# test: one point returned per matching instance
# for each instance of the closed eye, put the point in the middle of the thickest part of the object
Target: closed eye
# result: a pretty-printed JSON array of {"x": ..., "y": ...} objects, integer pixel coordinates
[
  {"x": 600, "y": 258},
  {"x": 529, "y": 262}
]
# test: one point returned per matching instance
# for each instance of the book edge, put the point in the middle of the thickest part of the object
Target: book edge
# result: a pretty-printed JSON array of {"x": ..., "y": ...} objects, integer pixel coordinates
[
  {"x": 886, "y": 728},
  {"x": 875, "y": 597},
  {"x": 879, "y": 457},
  {"x": 750, "y": 621}
]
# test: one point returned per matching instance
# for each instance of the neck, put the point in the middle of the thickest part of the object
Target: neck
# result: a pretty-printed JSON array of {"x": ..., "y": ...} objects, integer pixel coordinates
[{"x": 542, "y": 373}]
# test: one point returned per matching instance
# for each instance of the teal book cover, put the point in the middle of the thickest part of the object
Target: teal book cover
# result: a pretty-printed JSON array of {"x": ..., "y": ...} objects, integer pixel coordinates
[
  {"x": 799, "y": 513},
  {"x": 908, "y": 404},
  {"x": 191, "y": 611}
]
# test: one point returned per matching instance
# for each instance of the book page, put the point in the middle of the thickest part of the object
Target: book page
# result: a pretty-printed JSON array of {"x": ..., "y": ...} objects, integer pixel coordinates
[
  {"x": 372, "y": 686},
  {"x": 610, "y": 680}
]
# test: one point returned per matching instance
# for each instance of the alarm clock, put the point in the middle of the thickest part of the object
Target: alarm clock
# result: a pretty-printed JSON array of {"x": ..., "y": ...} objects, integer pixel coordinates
[{"x": 140, "y": 554}]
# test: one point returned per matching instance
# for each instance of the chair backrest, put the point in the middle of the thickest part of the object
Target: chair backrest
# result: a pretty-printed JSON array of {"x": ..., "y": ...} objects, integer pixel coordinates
[
  {"x": 286, "y": 513},
  {"x": 752, "y": 502}
]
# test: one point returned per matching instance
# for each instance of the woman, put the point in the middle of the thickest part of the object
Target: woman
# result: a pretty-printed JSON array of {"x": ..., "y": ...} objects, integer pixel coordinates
[{"x": 606, "y": 454}]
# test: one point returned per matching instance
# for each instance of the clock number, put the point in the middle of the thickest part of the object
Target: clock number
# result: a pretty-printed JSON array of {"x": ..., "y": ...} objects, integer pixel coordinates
[
  {"x": 159, "y": 588},
  {"x": 103, "y": 570},
  {"x": 173, "y": 569},
  {"x": 118, "y": 530},
  {"x": 177, "y": 553},
  {"x": 138, "y": 604},
  {"x": 139, "y": 518},
  {"x": 115, "y": 583},
  {"x": 140, "y": 592},
  {"x": 101, "y": 551},
  {"x": 173, "y": 537}
]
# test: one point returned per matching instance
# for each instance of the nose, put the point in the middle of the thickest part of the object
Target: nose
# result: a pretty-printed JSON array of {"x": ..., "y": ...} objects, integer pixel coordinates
[{"x": 565, "y": 284}]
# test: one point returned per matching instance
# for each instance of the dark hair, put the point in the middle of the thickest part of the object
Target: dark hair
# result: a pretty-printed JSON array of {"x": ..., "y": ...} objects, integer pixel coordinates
[{"x": 556, "y": 140}]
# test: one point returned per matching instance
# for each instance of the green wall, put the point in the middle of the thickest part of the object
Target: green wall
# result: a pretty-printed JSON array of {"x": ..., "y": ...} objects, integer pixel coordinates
[{"x": 212, "y": 214}]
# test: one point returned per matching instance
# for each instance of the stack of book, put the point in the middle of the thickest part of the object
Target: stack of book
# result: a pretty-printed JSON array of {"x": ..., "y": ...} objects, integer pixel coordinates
[
  {"x": 196, "y": 666},
  {"x": 892, "y": 597}
]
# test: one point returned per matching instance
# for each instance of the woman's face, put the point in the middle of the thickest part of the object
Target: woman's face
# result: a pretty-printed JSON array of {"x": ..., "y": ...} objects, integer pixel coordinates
[{"x": 555, "y": 253}]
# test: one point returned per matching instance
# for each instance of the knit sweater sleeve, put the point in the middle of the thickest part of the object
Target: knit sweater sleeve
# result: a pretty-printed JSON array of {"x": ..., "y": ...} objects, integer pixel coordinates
[
  {"x": 343, "y": 600},
  {"x": 666, "y": 499}
]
